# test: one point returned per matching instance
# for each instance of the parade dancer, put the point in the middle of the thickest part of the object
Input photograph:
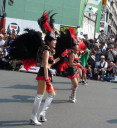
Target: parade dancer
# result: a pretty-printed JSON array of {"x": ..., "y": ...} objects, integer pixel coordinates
[
  {"x": 71, "y": 65},
  {"x": 73, "y": 73},
  {"x": 84, "y": 57},
  {"x": 30, "y": 48}
]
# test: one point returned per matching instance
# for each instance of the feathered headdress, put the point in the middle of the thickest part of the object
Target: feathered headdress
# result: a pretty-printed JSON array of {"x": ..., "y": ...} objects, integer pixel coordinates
[
  {"x": 73, "y": 34},
  {"x": 65, "y": 41},
  {"x": 46, "y": 24}
]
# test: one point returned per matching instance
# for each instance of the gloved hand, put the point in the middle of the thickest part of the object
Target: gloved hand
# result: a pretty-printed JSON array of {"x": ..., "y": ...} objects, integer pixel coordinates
[
  {"x": 85, "y": 51},
  {"x": 65, "y": 53},
  {"x": 84, "y": 70},
  {"x": 78, "y": 65},
  {"x": 48, "y": 83},
  {"x": 49, "y": 87}
]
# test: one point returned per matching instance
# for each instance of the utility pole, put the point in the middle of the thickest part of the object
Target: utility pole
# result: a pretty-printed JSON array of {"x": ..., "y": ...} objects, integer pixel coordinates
[
  {"x": 3, "y": 15},
  {"x": 95, "y": 25},
  {"x": 4, "y": 3}
]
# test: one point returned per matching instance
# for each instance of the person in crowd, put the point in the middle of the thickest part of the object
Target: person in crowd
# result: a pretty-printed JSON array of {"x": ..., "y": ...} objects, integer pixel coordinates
[
  {"x": 91, "y": 65},
  {"x": 1, "y": 41},
  {"x": 89, "y": 71},
  {"x": 5, "y": 37},
  {"x": 95, "y": 53},
  {"x": 103, "y": 48},
  {"x": 1, "y": 62},
  {"x": 84, "y": 57},
  {"x": 111, "y": 41},
  {"x": 91, "y": 44},
  {"x": 85, "y": 37},
  {"x": 4, "y": 60},
  {"x": 101, "y": 37},
  {"x": 115, "y": 52},
  {"x": 110, "y": 54},
  {"x": 16, "y": 65},
  {"x": 13, "y": 36},
  {"x": 101, "y": 67},
  {"x": 115, "y": 68},
  {"x": 5, "y": 53},
  {"x": 110, "y": 69},
  {"x": 109, "y": 74}
]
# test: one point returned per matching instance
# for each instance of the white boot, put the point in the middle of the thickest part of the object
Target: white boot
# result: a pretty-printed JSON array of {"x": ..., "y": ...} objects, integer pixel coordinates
[
  {"x": 45, "y": 107},
  {"x": 35, "y": 109},
  {"x": 72, "y": 98}
]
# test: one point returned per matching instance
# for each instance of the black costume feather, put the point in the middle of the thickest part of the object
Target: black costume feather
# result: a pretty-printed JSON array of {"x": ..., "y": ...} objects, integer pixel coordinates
[
  {"x": 52, "y": 20},
  {"x": 64, "y": 41},
  {"x": 26, "y": 45}
]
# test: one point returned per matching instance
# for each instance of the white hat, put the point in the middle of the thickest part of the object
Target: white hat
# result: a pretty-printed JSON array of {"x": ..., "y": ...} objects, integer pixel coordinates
[{"x": 102, "y": 57}]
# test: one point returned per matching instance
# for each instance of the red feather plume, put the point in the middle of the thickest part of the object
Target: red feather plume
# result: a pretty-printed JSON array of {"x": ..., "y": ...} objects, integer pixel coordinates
[
  {"x": 46, "y": 22},
  {"x": 72, "y": 31},
  {"x": 28, "y": 63},
  {"x": 81, "y": 45}
]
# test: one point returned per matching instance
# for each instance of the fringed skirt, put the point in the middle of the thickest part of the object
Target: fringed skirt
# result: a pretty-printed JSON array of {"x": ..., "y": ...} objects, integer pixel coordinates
[
  {"x": 41, "y": 76},
  {"x": 72, "y": 72}
]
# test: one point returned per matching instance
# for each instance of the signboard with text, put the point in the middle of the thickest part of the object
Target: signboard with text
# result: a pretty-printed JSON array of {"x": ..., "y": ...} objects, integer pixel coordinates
[
  {"x": 34, "y": 69},
  {"x": 103, "y": 16},
  {"x": 63, "y": 28},
  {"x": 102, "y": 24}
]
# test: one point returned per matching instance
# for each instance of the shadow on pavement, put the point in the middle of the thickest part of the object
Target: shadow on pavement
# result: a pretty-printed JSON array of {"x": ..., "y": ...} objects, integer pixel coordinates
[
  {"x": 114, "y": 88},
  {"x": 13, "y": 123},
  {"x": 60, "y": 101},
  {"x": 22, "y": 87},
  {"x": 60, "y": 82},
  {"x": 27, "y": 99},
  {"x": 18, "y": 98},
  {"x": 113, "y": 121},
  {"x": 63, "y": 89},
  {"x": 32, "y": 87}
]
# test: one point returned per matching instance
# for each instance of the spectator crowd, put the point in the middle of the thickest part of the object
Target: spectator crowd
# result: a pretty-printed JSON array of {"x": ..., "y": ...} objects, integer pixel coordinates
[
  {"x": 102, "y": 62},
  {"x": 5, "y": 39}
]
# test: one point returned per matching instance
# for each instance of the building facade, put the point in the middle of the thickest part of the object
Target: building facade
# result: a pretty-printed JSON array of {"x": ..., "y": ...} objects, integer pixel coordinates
[
  {"x": 91, "y": 22},
  {"x": 109, "y": 17},
  {"x": 25, "y": 13}
]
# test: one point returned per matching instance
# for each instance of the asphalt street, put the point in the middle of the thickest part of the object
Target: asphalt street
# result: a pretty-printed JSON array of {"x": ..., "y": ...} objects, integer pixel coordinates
[{"x": 96, "y": 105}]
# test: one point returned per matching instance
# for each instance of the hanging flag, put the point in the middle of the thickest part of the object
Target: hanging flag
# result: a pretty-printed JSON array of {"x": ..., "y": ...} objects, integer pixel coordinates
[
  {"x": 11, "y": 2},
  {"x": 90, "y": 9},
  {"x": 104, "y": 2},
  {"x": 95, "y": 2}
]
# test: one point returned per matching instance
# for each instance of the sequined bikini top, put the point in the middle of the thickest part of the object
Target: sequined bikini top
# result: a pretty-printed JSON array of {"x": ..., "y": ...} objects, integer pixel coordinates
[{"x": 40, "y": 53}]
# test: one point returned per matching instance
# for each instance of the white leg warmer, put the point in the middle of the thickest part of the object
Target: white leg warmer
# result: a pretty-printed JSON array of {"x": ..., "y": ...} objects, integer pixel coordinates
[
  {"x": 47, "y": 103},
  {"x": 75, "y": 91},
  {"x": 36, "y": 106}
]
